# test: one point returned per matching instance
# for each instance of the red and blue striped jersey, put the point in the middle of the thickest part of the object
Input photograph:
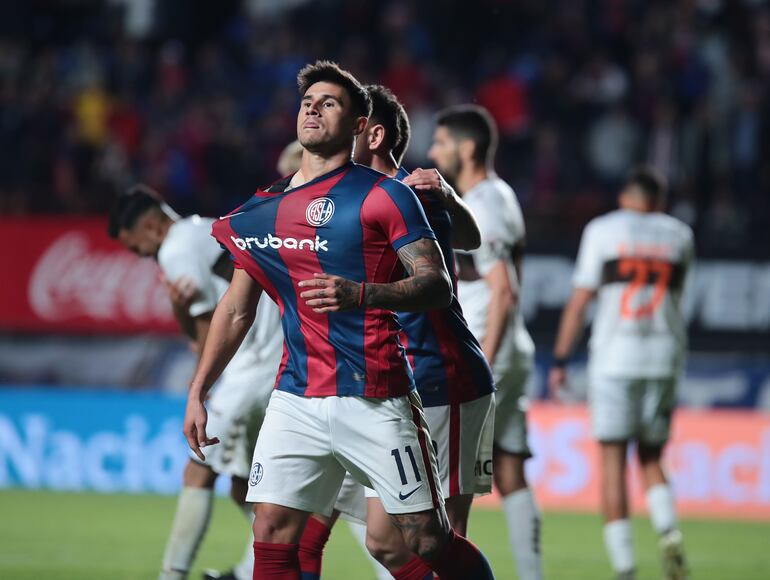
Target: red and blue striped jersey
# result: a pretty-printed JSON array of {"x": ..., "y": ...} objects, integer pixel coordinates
[
  {"x": 449, "y": 365},
  {"x": 349, "y": 222}
]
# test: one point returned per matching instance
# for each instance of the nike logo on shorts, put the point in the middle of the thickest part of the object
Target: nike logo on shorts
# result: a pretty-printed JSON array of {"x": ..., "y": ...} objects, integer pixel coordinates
[{"x": 402, "y": 496}]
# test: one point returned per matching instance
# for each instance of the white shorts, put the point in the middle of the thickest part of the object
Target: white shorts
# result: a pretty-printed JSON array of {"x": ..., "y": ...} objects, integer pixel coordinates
[
  {"x": 351, "y": 501},
  {"x": 308, "y": 443},
  {"x": 624, "y": 409},
  {"x": 463, "y": 440},
  {"x": 511, "y": 409},
  {"x": 236, "y": 409}
]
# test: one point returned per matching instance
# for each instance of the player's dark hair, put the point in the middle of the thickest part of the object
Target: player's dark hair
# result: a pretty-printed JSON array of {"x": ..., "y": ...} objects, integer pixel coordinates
[
  {"x": 325, "y": 71},
  {"x": 651, "y": 183},
  {"x": 388, "y": 111},
  {"x": 130, "y": 206},
  {"x": 475, "y": 123}
]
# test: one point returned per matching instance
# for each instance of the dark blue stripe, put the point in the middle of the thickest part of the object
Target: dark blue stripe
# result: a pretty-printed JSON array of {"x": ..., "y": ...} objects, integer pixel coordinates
[
  {"x": 258, "y": 224},
  {"x": 346, "y": 329}
]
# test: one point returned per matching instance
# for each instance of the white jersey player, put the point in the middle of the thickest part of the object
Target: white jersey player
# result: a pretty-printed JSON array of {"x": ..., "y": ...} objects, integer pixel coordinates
[
  {"x": 197, "y": 272},
  {"x": 463, "y": 149},
  {"x": 634, "y": 261}
]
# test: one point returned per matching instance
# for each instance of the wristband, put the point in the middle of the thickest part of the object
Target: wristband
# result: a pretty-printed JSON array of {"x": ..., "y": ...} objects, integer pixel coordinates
[
  {"x": 361, "y": 295},
  {"x": 559, "y": 362}
]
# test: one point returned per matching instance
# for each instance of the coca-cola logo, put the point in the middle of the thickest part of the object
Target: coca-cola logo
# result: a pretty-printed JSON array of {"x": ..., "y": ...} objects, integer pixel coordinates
[{"x": 72, "y": 279}]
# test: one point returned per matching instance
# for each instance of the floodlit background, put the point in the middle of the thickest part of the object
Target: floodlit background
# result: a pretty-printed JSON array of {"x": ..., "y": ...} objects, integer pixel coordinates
[{"x": 198, "y": 98}]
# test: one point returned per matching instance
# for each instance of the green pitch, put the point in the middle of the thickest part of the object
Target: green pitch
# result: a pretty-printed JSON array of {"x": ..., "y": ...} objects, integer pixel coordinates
[{"x": 106, "y": 537}]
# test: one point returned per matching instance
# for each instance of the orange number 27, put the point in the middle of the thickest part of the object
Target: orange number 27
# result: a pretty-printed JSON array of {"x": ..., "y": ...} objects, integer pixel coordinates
[{"x": 643, "y": 271}]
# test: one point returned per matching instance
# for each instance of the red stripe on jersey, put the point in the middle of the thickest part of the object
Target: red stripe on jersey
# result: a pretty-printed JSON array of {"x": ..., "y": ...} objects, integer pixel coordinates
[
  {"x": 454, "y": 449},
  {"x": 380, "y": 203},
  {"x": 380, "y": 327},
  {"x": 252, "y": 269},
  {"x": 423, "y": 440},
  {"x": 321, "y": 357},
  {"x": 459, "y": 375}
]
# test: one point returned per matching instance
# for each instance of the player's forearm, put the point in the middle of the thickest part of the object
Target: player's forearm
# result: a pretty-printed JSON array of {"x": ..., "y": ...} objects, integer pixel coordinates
[
  {"x": 425, "y": 290},
  {"x": 465, "y": 230},
  {"x": 502, "y": 303},
  {"x": 228, "y": 327},
  {"x": 570, "y": 329}
]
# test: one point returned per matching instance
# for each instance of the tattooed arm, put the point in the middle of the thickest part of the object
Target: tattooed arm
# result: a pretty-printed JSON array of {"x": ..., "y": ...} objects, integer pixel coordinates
[{"x": 426, "y": 287}]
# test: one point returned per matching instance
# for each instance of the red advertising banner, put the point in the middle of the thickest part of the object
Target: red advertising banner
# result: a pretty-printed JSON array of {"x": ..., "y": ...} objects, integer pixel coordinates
[
  {"x": 67, "y": 275},
  {"x": 718, "y": 462}
]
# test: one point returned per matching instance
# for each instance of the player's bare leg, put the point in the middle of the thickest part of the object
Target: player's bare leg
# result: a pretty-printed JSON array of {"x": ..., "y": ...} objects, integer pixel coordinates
[
  {"x": 426, "y": 544},
  {"x": 661, "y": 505},
  {"x": 618, "y": 538},
  {"x": 458, "y": 509},
  {"x": 191, "y": 520},
  {"x": 383, "y": 540},
  {"x": 521, "y": 513}
]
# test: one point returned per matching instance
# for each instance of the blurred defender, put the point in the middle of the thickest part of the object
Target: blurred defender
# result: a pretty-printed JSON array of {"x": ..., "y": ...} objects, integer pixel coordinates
[
  {"x": 463, "y": 149},
  {"x": 196, "y": 272},
  {"x": 634, "y": 260}
]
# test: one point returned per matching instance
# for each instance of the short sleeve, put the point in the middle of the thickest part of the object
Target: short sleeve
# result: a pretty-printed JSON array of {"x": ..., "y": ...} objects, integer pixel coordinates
[
  {"x": 588, "y": 268},
  {"x": 393, "y": 208},
  {"x": 189, "y": 265},
  {"x": 496, "y": 240}
]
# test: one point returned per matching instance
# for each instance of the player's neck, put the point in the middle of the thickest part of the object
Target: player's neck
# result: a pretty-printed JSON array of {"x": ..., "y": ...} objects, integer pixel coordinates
[
  {"x": 470, "y": 176},
  {"x": 314, "y": 165},
  {"x": 639, "y": 206},
  {"x": 385, "y": 164}
]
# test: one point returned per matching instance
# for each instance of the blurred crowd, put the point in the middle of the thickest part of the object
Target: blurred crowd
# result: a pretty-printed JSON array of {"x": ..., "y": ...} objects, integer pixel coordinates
[{"x": 198, "y": 98}]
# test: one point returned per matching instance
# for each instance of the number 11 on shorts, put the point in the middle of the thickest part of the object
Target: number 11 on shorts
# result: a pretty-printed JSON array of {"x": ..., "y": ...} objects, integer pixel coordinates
[{"x": 396, "y": 453}]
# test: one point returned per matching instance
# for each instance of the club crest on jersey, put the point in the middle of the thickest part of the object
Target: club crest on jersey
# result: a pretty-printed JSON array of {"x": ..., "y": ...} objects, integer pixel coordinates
[
  {"x": 256, "y": 474},
  {"x": 320, "y": 211}
]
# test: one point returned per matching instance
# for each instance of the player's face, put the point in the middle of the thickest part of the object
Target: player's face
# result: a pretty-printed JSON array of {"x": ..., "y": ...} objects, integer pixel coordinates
[
  {"x": 325, "y": 123},
  {"x": 143, "y": 239},
  {"x": 445, "y": 153}
]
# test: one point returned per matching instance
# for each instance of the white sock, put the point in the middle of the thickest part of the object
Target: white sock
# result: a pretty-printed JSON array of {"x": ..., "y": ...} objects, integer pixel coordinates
[
  {"x": 193, "y": 512},
  {"x": 620, "y": 545},
  {"x": 523, "y": 519},
  {"x": 359, "y": 533},
  {"x": 660, "y": 503},
  {"x": 244, "y": 570}
]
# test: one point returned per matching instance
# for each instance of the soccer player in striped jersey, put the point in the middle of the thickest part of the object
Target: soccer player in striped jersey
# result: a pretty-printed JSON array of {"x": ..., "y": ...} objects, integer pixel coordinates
[
  {"x": 634, "y": 262},
  {"x": 452, "y": 376},
  {"x": 330, "y": 245}
]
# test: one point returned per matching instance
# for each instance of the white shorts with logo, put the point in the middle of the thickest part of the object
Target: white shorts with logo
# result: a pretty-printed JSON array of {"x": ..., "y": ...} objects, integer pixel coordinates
[
  {"x": 236, "y": 410},
  {"x": 511, "y": 408},
  {"x": 624, "y": 408},
  {"x": 463, "y": 439},
  {"x": 308, "y": 443}
]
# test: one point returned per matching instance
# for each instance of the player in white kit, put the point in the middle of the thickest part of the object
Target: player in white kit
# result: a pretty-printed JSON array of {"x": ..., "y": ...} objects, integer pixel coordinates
[
  {"x": 634, "y": 261},
  {"x": 464, "y": 146},
  {"x": 197, "y": 272}
]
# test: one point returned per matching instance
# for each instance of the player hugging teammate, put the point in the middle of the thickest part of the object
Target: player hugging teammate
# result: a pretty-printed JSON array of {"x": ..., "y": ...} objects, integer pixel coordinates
[{"x": 345, "y": 398}]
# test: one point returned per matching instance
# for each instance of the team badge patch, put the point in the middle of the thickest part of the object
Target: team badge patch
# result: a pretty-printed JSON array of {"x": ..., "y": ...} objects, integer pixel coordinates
[
  {"x": 256, "y": 474},
  {"x": 320, "y": 211}
]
